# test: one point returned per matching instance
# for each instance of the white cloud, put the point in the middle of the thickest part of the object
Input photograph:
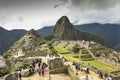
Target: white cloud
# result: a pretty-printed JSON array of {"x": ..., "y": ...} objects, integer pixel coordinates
[
  {"x": 38, "y": 13},
  {"x": 94, "y": 11}
]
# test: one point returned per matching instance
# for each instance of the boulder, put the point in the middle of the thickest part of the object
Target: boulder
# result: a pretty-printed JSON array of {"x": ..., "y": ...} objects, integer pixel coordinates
[
  {"x": 3, "y": 67},
  {"x": 25, "y": 73},
  {"x": 2, "y": 62}
]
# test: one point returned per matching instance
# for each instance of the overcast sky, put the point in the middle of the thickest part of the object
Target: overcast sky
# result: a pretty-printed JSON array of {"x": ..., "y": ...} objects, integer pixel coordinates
[{"x": 27, "y": 14}]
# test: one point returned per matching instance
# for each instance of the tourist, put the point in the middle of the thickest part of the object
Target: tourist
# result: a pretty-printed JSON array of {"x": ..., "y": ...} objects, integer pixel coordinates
[
  {"x": 39, "y": 71},
  {"x": 30, "y": 71},
  {"x": 105, "y": 75},
  {"x": 109, "y": 78},
  {"x": 44, "y": 65},
  {"x": 39, "y": 64},
  {"x": 20, "y": 75},
  {"x": 42, "y": 70},
  {"x": 86, "y": 78},
  {"x": 100, "y": 75},
  {"x": 73, "y": 63},
  {"x": 87, "y": 71},
  {"x": 77, "y": 66}
]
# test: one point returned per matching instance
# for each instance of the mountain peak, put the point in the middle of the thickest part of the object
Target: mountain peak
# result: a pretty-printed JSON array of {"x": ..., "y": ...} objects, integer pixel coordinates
[
  {"x": 66, "y": 31},
  {"x": 63, "y": 19},
  {"x": 62, "y": 25},
  {"x": 32, "y": 32}
]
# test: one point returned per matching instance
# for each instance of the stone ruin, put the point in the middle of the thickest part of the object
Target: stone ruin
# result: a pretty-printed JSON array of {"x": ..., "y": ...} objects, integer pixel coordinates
[{"x": 57, "y": 66}]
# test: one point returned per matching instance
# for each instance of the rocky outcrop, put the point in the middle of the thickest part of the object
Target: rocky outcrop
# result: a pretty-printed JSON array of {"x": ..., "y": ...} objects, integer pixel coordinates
[
  {"x": 2, "y": 62},
  {"x": 4, "y": 67},
  {"x": 11, "y": 76}
]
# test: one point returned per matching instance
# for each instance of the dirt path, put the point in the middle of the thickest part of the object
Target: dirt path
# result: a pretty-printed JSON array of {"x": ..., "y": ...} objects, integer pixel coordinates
[
  {"x": 59, "y": 77},
  {"x": 34, "y": 77}
]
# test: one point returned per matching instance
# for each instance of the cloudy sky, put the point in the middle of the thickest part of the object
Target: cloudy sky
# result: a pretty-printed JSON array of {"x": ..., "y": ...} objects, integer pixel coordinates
[{"x": 27, "y": 14}]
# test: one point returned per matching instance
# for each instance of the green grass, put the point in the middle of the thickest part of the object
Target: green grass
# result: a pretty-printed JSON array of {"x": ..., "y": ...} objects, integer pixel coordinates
[
  {"x": 101, "y": 66},
  {"x": 12, "y": 68},
  {"x": 94, "y": 63},
  {"x": 60, "y": 49},
  {"x": 71, "y": 57}
]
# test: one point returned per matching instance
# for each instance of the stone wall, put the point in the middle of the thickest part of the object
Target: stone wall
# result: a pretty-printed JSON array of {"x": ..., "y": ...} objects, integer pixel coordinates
[
  {"x": 115, "y": 75},
  {"x": 59, "y": 70},
  {"x": 56, "y": 66},
  {"x": 12, "y": 76},
  {"x": 55, "y": 63}
]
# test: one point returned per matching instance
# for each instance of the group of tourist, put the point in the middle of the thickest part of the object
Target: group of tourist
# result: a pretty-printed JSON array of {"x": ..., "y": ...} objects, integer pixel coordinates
[
  {"x": 101, "y": 76},
  {"x": 86, "y": 70},
  {"x": 34, "y": 68},
  {"x": 78, "y": 68},
  {"x": 41, "y": 68}
]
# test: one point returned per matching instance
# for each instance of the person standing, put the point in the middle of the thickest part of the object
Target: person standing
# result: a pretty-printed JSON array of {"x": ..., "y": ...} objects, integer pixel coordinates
[
  {"x": 20, "y": 75},
  {"x": 39, "y": 64},
  {"x": 110, "y": 78},
  {"x": 39, "y": 71},
  {"x": 43, "y": 71}
]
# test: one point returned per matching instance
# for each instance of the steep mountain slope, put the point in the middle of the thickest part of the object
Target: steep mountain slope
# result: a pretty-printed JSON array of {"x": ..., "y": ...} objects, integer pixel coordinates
[
  {"x": 45, "y": 30},
  {"x": 7, "y": 38},
  {"x": 110, "y": 32},
  {"x": 66, "y": 31},
  {"x": 30, "y": 42},
  {"x": 18, "y": 33}
]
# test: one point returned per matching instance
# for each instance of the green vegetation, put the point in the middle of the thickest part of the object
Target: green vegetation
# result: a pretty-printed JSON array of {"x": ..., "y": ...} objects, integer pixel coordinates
[
  {"x": 102, "y": 66},
  {"x": 94, "y": 63},
  {"x": 26, "y": 64},
  {"x": 12, "y": 68},
  {"x": 84, "y": 57},
  {"x": 4, "y": 72},
  {"x": 65, "y": 30},
  {"x": 61, "y": 50}
]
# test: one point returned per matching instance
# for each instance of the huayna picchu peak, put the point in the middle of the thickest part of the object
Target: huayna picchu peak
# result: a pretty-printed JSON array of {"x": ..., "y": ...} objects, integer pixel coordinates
[{"x": 65, "y": 30}]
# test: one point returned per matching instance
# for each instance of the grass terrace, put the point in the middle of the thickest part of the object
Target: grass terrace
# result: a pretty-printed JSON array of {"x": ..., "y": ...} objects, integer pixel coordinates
[{"x": 77, "y": 58}]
